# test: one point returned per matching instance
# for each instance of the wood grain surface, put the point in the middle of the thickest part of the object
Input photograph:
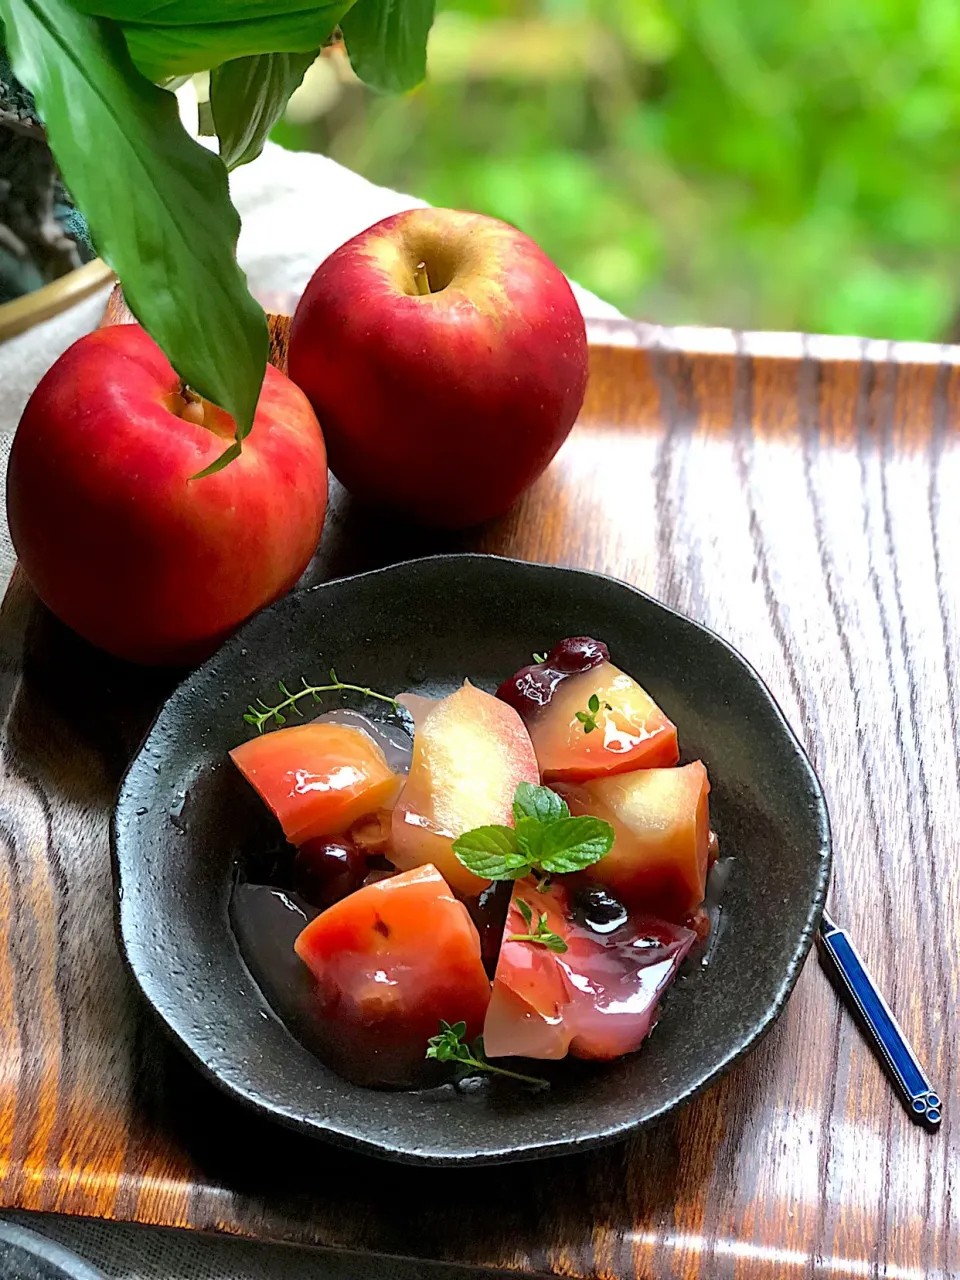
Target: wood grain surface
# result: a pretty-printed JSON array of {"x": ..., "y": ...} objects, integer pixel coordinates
[{"x": 801, "y": 501}]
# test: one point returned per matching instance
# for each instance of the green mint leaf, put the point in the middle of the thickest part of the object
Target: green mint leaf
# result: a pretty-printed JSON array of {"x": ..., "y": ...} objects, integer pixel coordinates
[
  {"x": 248, "y": 97},
  {"x": 575, "y": 843},
  {"x": 525, "y": 910},
  {"x": 171, "y": 236},
  {"x": 593, "y": 703},
  {"x": 529, "y": 833},
  {"x": 459, "y": 1029},
  {"x": 387, "y": 41},
  {"x": 492, "y": 853},
  {"x": 530, "y": 801}
]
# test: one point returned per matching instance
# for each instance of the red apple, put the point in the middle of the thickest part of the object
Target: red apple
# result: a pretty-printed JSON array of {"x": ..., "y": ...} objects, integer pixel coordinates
[
  {"x": 117, "y": 539},
  {"x": 446, "y": 358}
]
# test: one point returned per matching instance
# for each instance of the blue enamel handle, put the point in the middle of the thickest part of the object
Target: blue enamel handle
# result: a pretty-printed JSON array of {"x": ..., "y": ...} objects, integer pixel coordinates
[{"x": 920, "y": 1098}]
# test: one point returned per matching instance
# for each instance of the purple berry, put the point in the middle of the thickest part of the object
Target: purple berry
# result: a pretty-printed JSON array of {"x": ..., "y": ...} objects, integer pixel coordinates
[
  {"x": 328, "y": 869},
  {"x": 577, "y": 654},
  {"x": 532, "y": 688}
]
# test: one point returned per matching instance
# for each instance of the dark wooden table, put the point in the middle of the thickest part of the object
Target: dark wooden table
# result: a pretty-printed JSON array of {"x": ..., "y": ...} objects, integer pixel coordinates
[{"x": 802, "y": 498}]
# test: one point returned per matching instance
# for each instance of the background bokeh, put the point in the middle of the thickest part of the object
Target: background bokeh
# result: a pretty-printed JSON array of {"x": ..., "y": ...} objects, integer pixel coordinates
[{"x": 732, "y": 162}]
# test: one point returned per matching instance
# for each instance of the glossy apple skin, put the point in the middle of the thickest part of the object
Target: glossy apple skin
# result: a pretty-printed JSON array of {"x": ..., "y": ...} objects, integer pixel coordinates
[
  {"x": 318, "y": 779},
  {"x": 470, "y": 753},
  {"x": 390, "y": 961},
  {"x": 661, "y": 850},
  {"x": 631, "y": 731},
  {"x": 598, "y": 999},
  {"x": 112, "y": 533},
  {"x": 446, "y": 406}
]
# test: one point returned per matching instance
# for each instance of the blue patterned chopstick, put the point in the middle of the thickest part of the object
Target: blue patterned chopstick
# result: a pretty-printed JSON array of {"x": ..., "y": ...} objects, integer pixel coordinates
[{"x": 919, "y": 1097}]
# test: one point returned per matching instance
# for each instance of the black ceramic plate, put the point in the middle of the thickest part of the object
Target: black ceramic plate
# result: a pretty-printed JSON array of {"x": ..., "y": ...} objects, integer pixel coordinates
[{"x": 186, "y": 821}]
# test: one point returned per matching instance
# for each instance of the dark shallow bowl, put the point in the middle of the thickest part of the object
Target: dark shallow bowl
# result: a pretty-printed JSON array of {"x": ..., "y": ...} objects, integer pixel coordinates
[
  {"x": 25, "y": 1255},
  {"x": 185, "y": 823}
]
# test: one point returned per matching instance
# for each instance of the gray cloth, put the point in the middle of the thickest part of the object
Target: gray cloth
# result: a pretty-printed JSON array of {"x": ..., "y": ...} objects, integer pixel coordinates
[
  {"x": 124, "y": 1252},
  {"x": 296, "y": 209}
]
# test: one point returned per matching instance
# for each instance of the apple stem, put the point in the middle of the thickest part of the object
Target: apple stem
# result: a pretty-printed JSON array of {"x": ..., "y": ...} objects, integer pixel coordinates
[
  {"x": 422, "y": 280},
  {"x": 192, "y": 410}
]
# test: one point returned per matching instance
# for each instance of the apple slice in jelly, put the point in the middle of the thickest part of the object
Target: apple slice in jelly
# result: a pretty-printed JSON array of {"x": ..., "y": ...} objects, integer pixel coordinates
[
  {"x": 597, "y": 999},
  {"x": 626, "y": 731},
  {"x": 390, "y": 961},
  {"x": 317, "y": 778},
  {"x": 470, "y": 753},
  {"x": 661, "y": 822}
]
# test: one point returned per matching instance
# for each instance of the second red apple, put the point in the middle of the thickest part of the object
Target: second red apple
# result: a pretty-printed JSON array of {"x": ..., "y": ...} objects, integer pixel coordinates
[{"x": 446, "y": 358}]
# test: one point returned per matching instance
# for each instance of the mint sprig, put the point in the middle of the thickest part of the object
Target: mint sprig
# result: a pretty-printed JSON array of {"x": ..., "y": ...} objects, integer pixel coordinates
[
  {"x": 542, "y": 935},
  {"x": 546, "y": 839},
  {"x": 450, "y": 1046}
]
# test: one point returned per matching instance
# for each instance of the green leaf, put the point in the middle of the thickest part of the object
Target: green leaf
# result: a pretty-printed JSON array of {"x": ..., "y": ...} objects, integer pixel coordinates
[
  {"x": 530, "y": 801},
  {"x": 156, "y": 202},
  {"x": 593, "y": 703},
  {"x": 171, "y": 48},
  {"x": 248, "y": 97},
  {"x": 491, "y": 852},
  {"x": 387, "y": 41},
  {"x": 530, "y": 838},
  {"x": 575, "y": 843},
  {"x": 184, "y": 13},
  {"x": 525, "y": 910}
]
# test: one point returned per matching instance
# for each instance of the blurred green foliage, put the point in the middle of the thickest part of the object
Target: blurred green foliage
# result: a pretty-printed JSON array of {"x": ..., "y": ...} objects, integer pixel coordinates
[{"x": 734, "y": 162}]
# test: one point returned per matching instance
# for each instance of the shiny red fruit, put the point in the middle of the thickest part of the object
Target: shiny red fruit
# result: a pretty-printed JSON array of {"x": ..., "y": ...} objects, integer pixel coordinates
[
  {"x": 448, "y": 403},
  {"x": 598, "y": 998},
  {"x": 117, "y": 539},
  {"x": 391, "y": 961}
]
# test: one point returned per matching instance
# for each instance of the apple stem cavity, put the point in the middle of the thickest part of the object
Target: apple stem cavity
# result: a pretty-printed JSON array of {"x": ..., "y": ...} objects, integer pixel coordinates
[
  {"x": 190, "y": 408},
  {"x": 422, "y": 280}
]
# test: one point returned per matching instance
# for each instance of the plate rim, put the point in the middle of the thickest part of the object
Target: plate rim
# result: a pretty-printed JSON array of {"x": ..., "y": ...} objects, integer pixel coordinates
[{"x": 325, "y": 1130}]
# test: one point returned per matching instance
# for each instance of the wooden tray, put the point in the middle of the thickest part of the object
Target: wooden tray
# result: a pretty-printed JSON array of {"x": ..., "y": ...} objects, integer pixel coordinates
[{"x": 799, "y": 496}]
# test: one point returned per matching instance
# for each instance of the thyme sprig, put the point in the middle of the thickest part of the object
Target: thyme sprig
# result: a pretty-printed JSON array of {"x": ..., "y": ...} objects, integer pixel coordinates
[{"x": 261, "y": 714}]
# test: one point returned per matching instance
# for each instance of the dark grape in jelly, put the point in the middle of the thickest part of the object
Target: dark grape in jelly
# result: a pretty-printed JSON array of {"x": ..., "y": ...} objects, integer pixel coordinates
[
  {"x": 598, "y": 910},
  {"x": 327, "y": 869},
  {"x": 532, "y": 688}
]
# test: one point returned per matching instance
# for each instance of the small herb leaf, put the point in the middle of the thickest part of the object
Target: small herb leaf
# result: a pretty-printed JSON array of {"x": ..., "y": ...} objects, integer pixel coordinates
[
  {"x": 593, "y": 703},
  {"x": 542, "y": 935},
  {"x": 539, "y": 657},
  {"x": 492, "y": 853},
  {"x": 261, "y": 716},
  {"x": 574, "y": 844},
  {"x": 530, "y": 801},
  {"x": 449, "y": 1046},
  {"x": 530, "y": 838}
]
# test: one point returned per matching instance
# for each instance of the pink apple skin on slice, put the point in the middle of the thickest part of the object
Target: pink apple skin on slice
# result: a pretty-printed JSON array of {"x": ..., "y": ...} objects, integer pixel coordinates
[
  {"x": 470, "y": 753},
  {"x": 661, "y": 821},
  {"x": 598, "y": 999},
  {"x": 629, "y": 731}
]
